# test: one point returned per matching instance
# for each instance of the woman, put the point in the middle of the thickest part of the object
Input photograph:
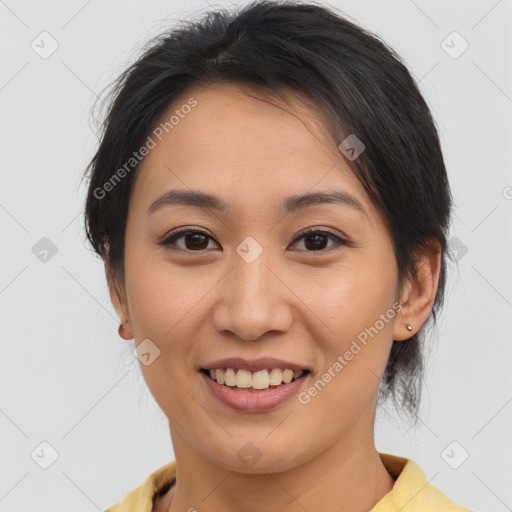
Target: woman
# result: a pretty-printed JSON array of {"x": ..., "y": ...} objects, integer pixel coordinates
[{"x": 270, "y": 201}]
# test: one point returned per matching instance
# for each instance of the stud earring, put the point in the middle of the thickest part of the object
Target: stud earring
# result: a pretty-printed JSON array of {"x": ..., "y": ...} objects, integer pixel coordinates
[{"x": 409, "y": 327}]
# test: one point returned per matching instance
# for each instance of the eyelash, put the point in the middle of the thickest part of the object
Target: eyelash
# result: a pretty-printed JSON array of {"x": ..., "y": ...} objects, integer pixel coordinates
[{"x": 171, "y": 240}]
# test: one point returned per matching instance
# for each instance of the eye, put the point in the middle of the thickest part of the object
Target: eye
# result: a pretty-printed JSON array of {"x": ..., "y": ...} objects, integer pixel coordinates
[
  {"x": 315, "y": 240},
  {"x": 194, "y": 240}
]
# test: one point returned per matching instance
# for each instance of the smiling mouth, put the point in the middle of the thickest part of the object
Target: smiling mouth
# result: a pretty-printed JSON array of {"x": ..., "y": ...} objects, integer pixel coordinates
[{"x": 245, "y": 380}]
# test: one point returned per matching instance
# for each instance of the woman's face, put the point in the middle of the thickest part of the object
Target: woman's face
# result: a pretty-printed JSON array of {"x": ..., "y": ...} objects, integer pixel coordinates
[{"x": 251, "y": 286}]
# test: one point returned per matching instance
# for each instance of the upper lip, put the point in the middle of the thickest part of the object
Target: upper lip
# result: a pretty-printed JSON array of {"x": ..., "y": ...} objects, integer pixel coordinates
[{"x": 255, "y": 364}]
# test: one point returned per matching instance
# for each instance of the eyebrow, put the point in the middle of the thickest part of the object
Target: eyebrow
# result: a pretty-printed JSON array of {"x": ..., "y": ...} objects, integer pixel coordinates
[{"x": 290, "y": 204}]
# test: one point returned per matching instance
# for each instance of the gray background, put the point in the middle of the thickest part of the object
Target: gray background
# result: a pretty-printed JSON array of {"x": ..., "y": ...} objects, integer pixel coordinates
[{"x": 68, "y": 380}]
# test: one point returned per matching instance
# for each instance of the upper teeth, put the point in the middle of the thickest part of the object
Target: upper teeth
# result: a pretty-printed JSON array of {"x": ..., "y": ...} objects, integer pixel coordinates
[{"x": 261, "y": 379}]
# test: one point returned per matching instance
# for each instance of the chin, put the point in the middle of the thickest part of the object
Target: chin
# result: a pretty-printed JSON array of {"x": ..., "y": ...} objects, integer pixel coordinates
[{"x": 252, "y": 458}]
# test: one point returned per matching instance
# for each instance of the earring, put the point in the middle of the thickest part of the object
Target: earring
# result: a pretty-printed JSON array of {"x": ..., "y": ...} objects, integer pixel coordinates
[{"x": 409, "y": 327}]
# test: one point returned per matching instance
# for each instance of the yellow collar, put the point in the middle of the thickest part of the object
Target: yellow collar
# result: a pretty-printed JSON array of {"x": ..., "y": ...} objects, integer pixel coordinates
[{"x": 411, "y": 493}]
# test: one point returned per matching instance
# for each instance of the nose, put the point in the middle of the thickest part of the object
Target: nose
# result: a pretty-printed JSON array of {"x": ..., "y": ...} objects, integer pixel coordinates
[{"x": 253, "y": 300}]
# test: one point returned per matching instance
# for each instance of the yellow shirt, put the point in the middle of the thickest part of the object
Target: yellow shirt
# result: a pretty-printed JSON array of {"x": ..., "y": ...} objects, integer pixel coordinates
[{"x": 411, "y": 492}]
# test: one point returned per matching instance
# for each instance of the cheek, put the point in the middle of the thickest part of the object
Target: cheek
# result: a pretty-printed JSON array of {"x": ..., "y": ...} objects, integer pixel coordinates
[
  {"x": 356, "y": 305},
  {"x": 162, "y": 297},
  {"x": 352, "y": 297},
  {"x": 164, "y": 306}
]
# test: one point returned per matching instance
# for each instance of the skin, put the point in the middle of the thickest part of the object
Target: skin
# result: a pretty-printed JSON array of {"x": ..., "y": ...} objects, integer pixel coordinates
[{"x": 293, "y": 302}]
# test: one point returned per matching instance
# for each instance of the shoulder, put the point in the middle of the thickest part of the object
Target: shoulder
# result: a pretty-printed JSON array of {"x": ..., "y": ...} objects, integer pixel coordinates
[
  {"x": 141, "y": 498},
  {"x": 412, "y": 492}
]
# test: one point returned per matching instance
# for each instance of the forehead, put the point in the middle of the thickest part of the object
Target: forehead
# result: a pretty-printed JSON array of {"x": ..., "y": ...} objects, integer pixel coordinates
[{"x": 244, "y": 142}]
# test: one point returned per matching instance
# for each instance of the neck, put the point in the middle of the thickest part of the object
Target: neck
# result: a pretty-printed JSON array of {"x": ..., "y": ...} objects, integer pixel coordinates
[{"x": 345, "y": 477}]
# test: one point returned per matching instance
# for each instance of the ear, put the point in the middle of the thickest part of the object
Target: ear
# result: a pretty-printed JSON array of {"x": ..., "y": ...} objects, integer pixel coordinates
[
  {"x": 419, "y": 292},
  {"x": 118, "y": 297}
]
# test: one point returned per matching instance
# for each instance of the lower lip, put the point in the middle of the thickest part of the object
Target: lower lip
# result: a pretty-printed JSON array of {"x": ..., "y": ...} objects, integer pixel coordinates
[{"x": 254, "y": 401}]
